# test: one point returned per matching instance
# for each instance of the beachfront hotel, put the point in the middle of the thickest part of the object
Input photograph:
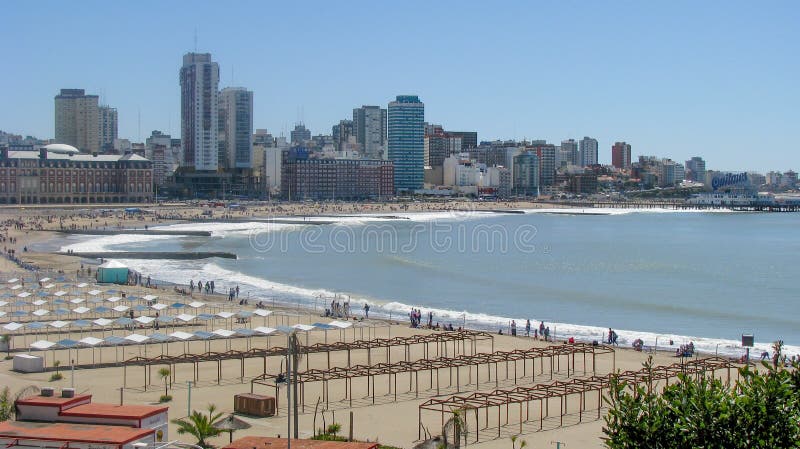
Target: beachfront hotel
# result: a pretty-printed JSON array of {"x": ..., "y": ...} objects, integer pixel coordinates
[
  {"x": 59, "y": 173},
  {"x": 407, "y": 142}
]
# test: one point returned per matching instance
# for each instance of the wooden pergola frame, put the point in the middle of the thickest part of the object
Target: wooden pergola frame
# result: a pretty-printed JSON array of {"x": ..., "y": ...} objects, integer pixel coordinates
[{"x": 543, "y": 393}]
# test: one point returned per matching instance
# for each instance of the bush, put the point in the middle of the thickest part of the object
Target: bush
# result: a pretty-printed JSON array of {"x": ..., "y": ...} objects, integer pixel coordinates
[
  {"x": 9, "y": 357},
  {"x": 165, "y": 398},
  {"x": 761, "y": 410},
  {"x": 56, "y": 376}
]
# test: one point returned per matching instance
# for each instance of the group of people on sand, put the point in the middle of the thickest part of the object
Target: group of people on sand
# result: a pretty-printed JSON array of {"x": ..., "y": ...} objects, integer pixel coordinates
[{"x": 338, "y": 309}]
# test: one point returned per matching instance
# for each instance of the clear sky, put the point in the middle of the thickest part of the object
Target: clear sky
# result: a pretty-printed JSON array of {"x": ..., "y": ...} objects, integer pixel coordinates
[{"x": 674, "y": 79}]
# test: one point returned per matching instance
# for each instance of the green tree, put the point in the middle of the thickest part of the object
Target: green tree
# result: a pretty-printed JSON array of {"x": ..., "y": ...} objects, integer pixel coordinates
[
  {"x": 164, "y": 373},
  {"x": 200, "y": 425},
  {"x": 761, "y": 410},
  {"x": 8, "y": 408}
]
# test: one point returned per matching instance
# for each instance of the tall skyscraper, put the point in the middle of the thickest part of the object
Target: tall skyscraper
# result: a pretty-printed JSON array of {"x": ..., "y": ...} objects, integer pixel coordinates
[
  {"x": 546, "y": 153},
  {"x": 341, "y": 134},
  {"x": 406, "y": 123},
  {"x": 526, "y": 174},
  {"x": 237, "y": 102},
  {"x": 199, "y": 78},
  {"x": 621, "y": 155},
  {"x": 108, "y": 128},
  {"x": 569, "y": 150},
  {"x": 588, "y": 151},
  {"x": 696, "y": 169},
  {"x": 370, "y": 129},
  {"x": 77, "y": 120},
  {"x": 300, "y": 135}
]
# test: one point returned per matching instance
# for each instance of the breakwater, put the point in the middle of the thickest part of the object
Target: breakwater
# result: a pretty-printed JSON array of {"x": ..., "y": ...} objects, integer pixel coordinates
[
  {"x": 150, "y": 255},
  {"x": 134, "y": 232}
]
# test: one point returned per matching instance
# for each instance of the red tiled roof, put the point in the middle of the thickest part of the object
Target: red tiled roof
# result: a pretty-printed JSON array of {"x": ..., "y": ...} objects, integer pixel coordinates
[
  {"x": 114, "y": 411},
  {"x": 53, "y": 401},
  {"x": 84, "y": 433},
  {"x": 281, "y": 443}
]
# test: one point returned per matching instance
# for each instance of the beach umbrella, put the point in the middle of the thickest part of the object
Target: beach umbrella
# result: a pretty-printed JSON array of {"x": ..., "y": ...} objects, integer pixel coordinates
[
  {"x": 159, "y": 306},
  {"x": 94, "y": 292},
  {"x": 77, "y": 300},
  {"x": 230, "y": 425},
  {"x": 113, "y": 299},
  {"x": 41, "y": 312},
  {"x": 149, "y": 298},
  {"x": 60, "y": 293},
  {"x": 120, "y": 308},
  {"x": 24, "y": 294},
  {"x": 39, "y": 302}
]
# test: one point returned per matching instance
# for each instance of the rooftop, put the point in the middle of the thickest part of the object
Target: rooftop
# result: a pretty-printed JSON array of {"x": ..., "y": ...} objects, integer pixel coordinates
[
  {"x": 84, "y": 433},
  {"x": 115, "y": 411},
  {"x": 76, "y": 157},
  {"x": 54, "y": 401},
  {"x": 281, "y": 443}
]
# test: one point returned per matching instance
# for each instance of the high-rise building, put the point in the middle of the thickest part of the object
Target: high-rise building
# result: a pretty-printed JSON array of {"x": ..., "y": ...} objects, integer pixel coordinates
[
  {"x": 308, "y": 176},
  {"x": 588, "y": 151},
  {"x": 77, "y": 120},
  {"x": 406, "y": 134},
  {"x": 300, "y": 135},
  {"x": 108, "y": 128},
  {"x": 621, "y": 155},
  {"x": 370, "y": 129},
  {"x": 546, "y": 152},
  {"x": 569, "y": 152},
  {"x": 237, "y": 102},
  {"x": 341, "y": 133},
  {"x": 526, "y": 174},
  {"x": 199, "y": 78},
  {"x": 469, "y": 139},
  {"x": 696, "y": 169},
  {"x": 439, "y": 146}
]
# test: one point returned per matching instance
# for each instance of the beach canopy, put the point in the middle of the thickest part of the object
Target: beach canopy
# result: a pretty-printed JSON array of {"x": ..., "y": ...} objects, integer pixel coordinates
[
  {"x": 196, "y": 304},
  {"x": 340, "y": 324},
  {"x": 121, "y": 308},
  {"x": 137, "y": 338},
  {"x": 82, "y": 284},
  {"x": 12, "y": 326},
  {"x": 81, "y": 310},
  {"x": 39, "y": 302},
  {"x": 41, "y": 312},
  {"x": 225, "y": 333},
  {"x": 303, "y": 327},
  {"x": 225, "y": 315},
  {"x": 181, "y": 335},
  {"x": 81, "y": 323},
  {"x": 113, "y": 299},
  {"x": 150, "y": 297},
  {"x": 262, "y": 312},
  {"x": 160, "y": 337},
  {"x": 185, "y": 317},
  {"x": 36, "y": 325},
  {"x": 24, "y": 294},
  {"x": 159, "y": 306},
  {"x": 125, "y": 321},
  {"x": 77, "y": 300},
  {"x": 60, "y": 293},
  {"x": 44, "y": 279},
  {"x": 67, "y": 343},
  {"x": 11, "y": 281},
  {"x": 145, "y": 319},
  {"x": 90, "y": 341},
  {"x": 94, "y": 292},
  {"x": 265, "y": 330},
  {"x": 102, "y": 321},
  {"x": 42, "y": 345},
  {"x": 59, "y": 324}
]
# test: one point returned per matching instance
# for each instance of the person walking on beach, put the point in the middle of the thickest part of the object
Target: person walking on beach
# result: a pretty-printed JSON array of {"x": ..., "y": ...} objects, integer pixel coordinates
[
  {"x": 237, "y": 290},
  {"x": 547, "y": 333},
  {"x": 528, "y": 328},
  {"x": 366, "y": 310},
  {"x": 513, "y": 328},
  {"x": 541, "y": 328}
]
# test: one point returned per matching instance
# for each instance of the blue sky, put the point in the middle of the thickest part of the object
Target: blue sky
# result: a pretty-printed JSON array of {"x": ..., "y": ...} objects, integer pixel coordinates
[{"x": 674, "y": 79}]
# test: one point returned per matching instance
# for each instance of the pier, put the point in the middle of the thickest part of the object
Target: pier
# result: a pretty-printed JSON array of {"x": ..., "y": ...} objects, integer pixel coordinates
[{"x": 677, "y": 205}]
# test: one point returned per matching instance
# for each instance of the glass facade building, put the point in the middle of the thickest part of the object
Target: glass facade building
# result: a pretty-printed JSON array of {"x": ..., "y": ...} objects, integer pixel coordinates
[{"x": 407, "y": 142}]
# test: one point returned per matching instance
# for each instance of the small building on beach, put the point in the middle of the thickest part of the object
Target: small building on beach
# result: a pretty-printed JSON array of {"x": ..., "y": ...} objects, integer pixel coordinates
[{"x": 112, "y": 272}]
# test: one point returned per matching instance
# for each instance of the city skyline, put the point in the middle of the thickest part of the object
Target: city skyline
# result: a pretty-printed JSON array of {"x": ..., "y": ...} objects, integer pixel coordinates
[{"x": 680, "y": 81}]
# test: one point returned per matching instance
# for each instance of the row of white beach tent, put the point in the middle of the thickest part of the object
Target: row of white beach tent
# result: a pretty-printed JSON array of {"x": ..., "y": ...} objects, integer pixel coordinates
[
  {"x": 121, "y": 308},
  {"x": 142, "y": 340}
]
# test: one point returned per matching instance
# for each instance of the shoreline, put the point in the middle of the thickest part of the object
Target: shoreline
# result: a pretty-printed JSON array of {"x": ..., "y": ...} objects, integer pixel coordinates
[{"x": 481, "y": 321}]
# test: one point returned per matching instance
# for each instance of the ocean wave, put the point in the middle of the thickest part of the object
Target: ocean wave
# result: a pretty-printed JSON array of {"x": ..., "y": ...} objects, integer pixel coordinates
[{"x": 104, "y": 243}]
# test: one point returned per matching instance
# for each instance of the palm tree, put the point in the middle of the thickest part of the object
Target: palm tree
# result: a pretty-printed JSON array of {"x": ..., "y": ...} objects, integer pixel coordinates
[
  {"x": 164, "y": 373},
  {"x": 200, "y": 425},
  {"x": 8, "y": 407}
]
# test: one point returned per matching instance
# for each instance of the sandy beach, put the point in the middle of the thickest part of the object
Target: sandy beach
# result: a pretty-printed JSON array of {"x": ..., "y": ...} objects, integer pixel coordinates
[{"x": 389, "y": 421}]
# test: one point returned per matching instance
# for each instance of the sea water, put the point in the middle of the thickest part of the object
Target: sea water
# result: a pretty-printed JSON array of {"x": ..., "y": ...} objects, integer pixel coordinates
[{"x": 656, "y": 275}]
